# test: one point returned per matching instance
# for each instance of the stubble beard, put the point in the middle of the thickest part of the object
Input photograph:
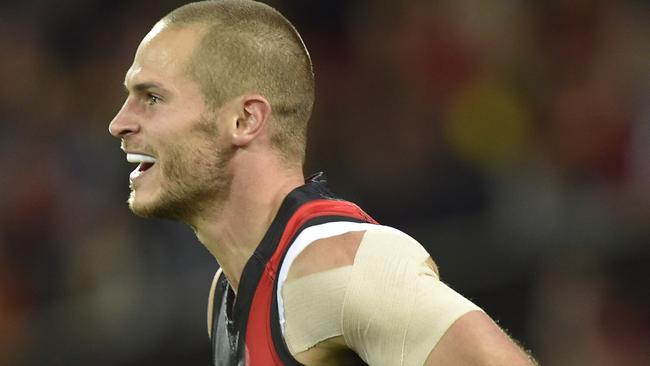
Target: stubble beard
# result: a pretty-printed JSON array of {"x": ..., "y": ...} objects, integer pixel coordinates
[{"x": 193, "y": 181}]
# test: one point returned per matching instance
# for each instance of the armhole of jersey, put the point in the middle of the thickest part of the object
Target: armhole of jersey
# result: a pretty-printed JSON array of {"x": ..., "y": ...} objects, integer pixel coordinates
[
  {"x": 310, "y": 235},
  {"x": 215, "y": 302}
]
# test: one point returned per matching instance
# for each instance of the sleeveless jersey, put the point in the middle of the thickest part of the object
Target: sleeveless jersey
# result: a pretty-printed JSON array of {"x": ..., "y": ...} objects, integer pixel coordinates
[{"x": 246, "y": 329}]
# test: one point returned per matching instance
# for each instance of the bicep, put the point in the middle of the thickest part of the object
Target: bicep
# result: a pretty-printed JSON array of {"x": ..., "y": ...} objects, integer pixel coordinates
[
  {"x": 474, "y": 339},
  {"x": 396, "y": 309}
]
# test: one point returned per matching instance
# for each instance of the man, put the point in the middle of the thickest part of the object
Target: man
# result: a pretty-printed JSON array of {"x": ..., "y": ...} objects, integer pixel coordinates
[{"x": 219, "y": 95}]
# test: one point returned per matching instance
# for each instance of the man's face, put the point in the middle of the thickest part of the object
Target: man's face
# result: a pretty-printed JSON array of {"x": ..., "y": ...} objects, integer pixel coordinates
[{"x": 166, "y": 127}]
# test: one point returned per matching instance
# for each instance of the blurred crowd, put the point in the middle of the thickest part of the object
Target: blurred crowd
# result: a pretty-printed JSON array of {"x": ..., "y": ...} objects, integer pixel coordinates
[{"x": 511, "y": 138}]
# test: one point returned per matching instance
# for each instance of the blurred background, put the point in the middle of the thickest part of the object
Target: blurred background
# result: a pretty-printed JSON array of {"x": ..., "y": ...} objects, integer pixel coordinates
[{"x": 511, "y": 138}]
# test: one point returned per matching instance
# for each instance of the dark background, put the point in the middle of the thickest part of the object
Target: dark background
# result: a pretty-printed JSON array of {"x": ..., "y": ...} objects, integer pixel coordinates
[{"x": 510, "y": 137}]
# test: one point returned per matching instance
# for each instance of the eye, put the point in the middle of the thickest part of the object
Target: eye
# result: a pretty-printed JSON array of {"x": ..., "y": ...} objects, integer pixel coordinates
[{"x": 153, "y": 99}]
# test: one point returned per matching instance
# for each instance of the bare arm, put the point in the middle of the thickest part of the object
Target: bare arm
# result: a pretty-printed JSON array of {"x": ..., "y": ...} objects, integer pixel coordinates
[{"x": 474, "y": 339}]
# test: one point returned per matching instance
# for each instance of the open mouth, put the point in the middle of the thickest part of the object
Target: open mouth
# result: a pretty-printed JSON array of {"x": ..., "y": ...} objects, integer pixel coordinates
[
  {"x": 145, "y": 162},
  {"x": 144, "y": 166}
]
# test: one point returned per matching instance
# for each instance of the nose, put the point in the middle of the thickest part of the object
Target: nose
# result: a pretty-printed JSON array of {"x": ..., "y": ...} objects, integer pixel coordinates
[{"x": 124, "y": 123}]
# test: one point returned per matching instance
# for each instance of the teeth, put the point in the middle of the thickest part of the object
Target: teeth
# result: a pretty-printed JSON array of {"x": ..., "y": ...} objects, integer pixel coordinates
[{"x": 140, "y": 158}]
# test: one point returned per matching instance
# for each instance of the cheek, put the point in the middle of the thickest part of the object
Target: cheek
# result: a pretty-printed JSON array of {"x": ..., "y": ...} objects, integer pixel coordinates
[
  {"x": 191, "y": 159},
  {"x": 172, "y": 166},
  {"x": 184, "y": 163}
]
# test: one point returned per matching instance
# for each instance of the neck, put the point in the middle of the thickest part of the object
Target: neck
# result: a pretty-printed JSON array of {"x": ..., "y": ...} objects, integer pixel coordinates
[{"x": 232, "y": 231}]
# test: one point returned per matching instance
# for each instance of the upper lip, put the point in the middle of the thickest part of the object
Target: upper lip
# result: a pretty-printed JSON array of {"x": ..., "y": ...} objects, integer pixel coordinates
[{"x": 126, "y": 151}]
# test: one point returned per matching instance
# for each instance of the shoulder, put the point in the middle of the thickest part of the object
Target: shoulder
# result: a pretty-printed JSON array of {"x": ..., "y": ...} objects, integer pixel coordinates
[
  {"x": 342, "y": 250},
  {"x": 325, "y": 254},
  {"x": 386, "y": 243},
  {"x": 335, "y": 282}
]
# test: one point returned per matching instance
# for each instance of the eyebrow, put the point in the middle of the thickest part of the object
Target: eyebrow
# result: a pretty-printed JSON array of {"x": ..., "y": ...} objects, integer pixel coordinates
[{"x": 140, "y": 87}]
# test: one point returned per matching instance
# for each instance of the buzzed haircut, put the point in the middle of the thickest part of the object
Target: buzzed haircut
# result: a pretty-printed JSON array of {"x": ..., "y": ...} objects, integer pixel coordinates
[{"x": 249, "y": 47}]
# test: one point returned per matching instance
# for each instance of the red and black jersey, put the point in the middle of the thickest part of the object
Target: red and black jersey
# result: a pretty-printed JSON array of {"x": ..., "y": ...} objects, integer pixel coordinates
[{"x": 246, "y": 329}]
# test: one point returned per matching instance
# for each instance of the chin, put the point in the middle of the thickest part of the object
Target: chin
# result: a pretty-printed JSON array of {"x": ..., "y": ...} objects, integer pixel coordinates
[
  {"x": 141, "y": 206},
  {"x": 137, "y": 206},
  {"x": 156, "y": 207}
]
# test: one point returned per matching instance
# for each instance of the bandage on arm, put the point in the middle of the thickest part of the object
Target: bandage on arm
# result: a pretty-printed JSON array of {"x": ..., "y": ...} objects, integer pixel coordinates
[{"x": 389, "y": 304}]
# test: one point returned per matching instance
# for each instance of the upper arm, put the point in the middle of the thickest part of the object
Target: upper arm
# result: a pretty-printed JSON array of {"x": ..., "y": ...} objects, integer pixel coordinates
[
  {"x": 211, "y": 301},
  {"x": 363, "y": 281},
  {"x": 474, "y": 339},
  {"x": 313, "y": 295},
  {"x": 396, "y": 309}
]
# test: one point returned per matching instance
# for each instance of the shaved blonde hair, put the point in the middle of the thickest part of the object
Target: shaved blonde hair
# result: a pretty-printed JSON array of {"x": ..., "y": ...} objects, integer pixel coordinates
[{"x": 249, "y": 47}]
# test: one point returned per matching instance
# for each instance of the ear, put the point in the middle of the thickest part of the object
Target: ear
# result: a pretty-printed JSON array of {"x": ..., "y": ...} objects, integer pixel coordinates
[{"x": 252, "y": 118}]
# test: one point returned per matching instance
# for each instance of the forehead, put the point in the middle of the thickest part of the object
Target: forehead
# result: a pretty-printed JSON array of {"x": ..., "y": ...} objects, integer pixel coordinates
[{"x": 163, "y": 54}]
